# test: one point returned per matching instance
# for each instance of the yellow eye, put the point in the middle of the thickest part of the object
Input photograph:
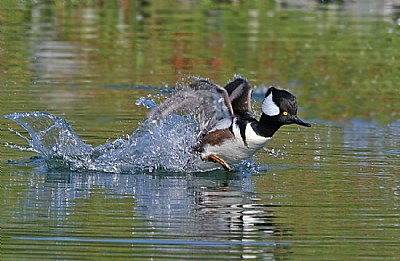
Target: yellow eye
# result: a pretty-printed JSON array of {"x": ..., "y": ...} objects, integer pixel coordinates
[{"x": 285, "y": 113}]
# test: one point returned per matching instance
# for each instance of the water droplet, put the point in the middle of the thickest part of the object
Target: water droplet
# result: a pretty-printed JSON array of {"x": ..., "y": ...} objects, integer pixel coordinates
[{"x": 146, "y": 102}]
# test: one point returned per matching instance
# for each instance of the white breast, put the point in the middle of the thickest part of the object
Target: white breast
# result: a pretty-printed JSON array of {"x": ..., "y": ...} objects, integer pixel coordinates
[{"x": 235, "y": 151}]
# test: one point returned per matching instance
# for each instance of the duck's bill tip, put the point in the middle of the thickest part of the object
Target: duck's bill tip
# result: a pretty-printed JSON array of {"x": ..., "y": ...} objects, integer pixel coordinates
[{"x": 299, "y": 121}]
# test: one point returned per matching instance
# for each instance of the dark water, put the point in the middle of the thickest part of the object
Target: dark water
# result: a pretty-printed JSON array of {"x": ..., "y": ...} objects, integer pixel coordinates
[{"x": 330, "y": 192}]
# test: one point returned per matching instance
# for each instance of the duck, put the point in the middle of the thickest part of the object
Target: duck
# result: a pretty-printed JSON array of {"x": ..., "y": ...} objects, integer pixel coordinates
[{"x": 229, "y": 130}]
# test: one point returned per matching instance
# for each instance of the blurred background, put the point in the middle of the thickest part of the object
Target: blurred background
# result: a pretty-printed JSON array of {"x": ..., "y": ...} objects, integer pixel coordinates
[{"x": 339, "y": 57}]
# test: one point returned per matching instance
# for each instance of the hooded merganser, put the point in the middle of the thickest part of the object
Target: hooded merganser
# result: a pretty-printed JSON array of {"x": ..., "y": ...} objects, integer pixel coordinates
[{"x": 230, "y": 133}]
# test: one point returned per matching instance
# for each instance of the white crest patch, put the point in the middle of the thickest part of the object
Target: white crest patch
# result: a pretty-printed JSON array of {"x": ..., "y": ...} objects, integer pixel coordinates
[{"x": 269, "y": 107}]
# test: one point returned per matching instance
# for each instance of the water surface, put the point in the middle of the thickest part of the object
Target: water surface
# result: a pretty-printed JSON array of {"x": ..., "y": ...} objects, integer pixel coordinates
[{"x": 327, "y": 192}]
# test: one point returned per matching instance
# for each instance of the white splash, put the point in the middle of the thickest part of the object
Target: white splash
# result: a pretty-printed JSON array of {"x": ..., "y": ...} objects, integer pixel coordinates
[{"x": 163, "y": 145}]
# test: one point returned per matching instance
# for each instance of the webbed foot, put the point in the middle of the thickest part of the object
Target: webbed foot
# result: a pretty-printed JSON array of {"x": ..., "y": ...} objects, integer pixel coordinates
[{"x": 217, "y": 159}]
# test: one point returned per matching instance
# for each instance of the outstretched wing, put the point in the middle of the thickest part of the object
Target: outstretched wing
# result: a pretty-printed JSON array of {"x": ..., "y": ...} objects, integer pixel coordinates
[
  {"x": 208, "y": 102},
  {"x": 239, "y": 91}
]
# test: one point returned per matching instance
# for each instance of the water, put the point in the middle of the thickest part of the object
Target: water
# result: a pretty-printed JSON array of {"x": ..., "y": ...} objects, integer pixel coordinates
[
  {"x": 165, "y": 145},
  {"x": 158, "y": 144},
  {"x": 326, "y": 192}
]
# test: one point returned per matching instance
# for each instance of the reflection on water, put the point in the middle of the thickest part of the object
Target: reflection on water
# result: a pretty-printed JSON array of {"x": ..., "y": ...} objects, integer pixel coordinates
[
  {"x": 365, "y": 7},
  {"x": 344, "y": 190},
  {"x": 51, "y": 58},
  {"x": 373, "y": 145},
  {"x": 213, "y": 210}
]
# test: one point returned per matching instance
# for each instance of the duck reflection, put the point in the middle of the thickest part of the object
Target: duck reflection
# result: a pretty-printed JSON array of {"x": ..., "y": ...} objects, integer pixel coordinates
[
  {"x": 220, "y": 208},
  {"x": 224, "y": 207}
]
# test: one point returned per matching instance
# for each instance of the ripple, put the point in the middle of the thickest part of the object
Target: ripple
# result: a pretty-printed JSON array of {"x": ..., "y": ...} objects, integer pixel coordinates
[{"x": 154, "y": 241}]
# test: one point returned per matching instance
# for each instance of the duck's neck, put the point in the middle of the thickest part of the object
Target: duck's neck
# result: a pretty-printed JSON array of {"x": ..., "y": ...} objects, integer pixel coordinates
[{"x": 266, "y": 126}]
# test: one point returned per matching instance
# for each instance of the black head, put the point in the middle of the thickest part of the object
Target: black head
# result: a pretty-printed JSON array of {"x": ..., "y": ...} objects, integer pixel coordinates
[{"x": 281, "y": 106}]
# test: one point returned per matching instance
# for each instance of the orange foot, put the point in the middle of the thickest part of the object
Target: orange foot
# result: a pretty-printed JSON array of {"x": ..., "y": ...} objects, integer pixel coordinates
[{"x": 217, "y": 159}]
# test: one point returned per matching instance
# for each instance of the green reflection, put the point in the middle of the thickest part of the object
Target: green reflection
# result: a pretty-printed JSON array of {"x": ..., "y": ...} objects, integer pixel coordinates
[{"x": 341, "y": 65}]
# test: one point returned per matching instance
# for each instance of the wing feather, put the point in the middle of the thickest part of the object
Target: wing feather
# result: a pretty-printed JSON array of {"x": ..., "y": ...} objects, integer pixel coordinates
[
  {"x": 239, "y": 91},
  {"x": 207, "y": 101}
]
